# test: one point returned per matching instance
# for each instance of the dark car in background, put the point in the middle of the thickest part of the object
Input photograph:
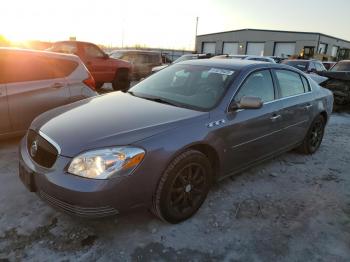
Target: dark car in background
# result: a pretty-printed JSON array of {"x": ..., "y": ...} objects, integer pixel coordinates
[
  {"x": 328, "y": 65},
  {"x": 186, "y": 126},
  {"x": 142, "y": 61},
  {"x": 337, "y": 79},
  {"x": 103, "y": 68},
  {"x": 181, "y": 59},
  {"x": 32, "y": 82},
  {"x": 307, "y": 66}
]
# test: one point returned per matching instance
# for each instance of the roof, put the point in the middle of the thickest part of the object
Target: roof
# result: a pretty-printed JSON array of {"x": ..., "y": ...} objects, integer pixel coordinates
[
  {"x": 136, "y": 51},
  {"x": 39, "y": 52},
  {"x": 277, "y": 31},
  {"x": 224, "y": 63}
]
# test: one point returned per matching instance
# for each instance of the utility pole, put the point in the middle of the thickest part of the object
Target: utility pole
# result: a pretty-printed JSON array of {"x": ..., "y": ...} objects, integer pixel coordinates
[{"x": 195, "y": 38}]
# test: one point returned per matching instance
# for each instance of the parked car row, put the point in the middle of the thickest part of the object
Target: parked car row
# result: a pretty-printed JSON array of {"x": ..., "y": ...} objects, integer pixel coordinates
[
  {"x": 103, "y": 68},
  {"x": 32, "y": 82},
  {"x": 223, "y": 116}
]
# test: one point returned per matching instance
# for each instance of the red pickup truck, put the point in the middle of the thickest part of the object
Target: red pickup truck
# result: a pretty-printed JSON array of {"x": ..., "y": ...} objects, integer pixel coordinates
[{"x": 103, "y": 68}]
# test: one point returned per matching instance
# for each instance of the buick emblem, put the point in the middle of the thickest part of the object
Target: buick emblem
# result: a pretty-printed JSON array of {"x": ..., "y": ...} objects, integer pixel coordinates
[{"x": 34, "y": 148}]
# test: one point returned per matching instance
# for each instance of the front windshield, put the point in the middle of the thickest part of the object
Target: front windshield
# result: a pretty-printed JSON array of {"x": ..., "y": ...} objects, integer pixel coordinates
[
  {"x": 301, "y": 65},
  {"x": 190, "y": 86},
  {"x": 342, "y": 66}
]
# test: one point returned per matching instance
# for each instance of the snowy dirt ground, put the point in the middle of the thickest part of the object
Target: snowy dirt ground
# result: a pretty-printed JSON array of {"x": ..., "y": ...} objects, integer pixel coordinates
[{"x": 291, "y": 208}]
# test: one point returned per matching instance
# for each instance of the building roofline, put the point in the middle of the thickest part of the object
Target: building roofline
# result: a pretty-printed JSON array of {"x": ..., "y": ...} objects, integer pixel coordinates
[{"x": 278, "y": 31}]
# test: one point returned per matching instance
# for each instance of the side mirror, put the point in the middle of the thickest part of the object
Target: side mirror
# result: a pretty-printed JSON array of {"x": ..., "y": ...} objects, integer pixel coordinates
[
  {"x": 247, "y": 102},
  {"x": 105, "y": 56}
]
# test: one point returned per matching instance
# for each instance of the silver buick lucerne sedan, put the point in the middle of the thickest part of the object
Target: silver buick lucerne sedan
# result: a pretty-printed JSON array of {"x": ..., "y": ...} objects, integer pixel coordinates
[{"x": 165, "y": 141}]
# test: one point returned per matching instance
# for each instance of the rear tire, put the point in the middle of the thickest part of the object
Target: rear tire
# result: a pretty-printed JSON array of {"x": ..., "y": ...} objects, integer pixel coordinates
[
  {"x": 121, "y": 81},
  {"x": 183, "y": 187},
  {"x": 314, "y": 136}
]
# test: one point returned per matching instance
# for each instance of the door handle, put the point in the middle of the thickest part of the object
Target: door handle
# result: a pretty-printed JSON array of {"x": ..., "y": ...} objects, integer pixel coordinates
[
  {"x": 307, "y": 107},
  {"x": 275, "y": 117},
  {"x": 57, "y": 85}
]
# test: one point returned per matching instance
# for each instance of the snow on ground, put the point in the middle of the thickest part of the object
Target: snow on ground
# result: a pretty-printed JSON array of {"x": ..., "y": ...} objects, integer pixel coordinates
[{"x": 292, "y": 208}]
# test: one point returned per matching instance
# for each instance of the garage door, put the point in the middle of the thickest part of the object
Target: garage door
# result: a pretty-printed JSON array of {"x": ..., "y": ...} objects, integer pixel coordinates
[
  {"x": 255, "y": 49},
  {"x": 208, "y": 48},
  {"x": 284, "y": 49},
  {"x": 230, "y": 49}
]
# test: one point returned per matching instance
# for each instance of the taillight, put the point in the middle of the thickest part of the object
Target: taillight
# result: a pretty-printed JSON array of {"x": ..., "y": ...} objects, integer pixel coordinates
[{"x": 90, "y": 82}]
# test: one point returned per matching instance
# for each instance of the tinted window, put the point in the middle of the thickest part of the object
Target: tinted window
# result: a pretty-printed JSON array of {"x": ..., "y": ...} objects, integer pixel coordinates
[
  {"x": 191, "y": 86},
  {"x": 258, "y": 84},
  {"x": 301, "y": 65},
  {"x": 93, "y": 51},
  {"x": 22, "y": 67},
  {"x": 290, "y": 83},
  {"x": 341, "y": 66},
  {"x": 63, "y": 67}
]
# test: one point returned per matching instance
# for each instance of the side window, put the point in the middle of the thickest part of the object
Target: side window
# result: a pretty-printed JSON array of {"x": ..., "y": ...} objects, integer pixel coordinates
[
  {"x": 93, "y": 51},
  {"x": 290, "y": 83},
  {"x": 312, "y": 66},
  {"x": 63, "y": 67},
  {"x": 27, "y": 67},
  {"x": 320, "y": 67},
  {"x": 258, "y": 84},
  {"x": 306, "y": 84}
]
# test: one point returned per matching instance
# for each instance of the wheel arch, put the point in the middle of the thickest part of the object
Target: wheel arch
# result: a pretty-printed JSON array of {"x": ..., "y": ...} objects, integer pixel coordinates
[{"x": 209, "y": 151}]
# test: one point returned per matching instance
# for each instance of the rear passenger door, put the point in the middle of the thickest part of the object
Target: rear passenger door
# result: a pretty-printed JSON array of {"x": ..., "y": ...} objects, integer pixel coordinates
[
  {"x": 32, "y": 88},
  {"x": 295, "y": 92}
]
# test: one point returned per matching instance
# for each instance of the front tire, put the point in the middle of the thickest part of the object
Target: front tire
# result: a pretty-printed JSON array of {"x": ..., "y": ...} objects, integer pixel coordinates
[
  {"x": 183, "y": 187},
  {"x": 314, "y": 136}
]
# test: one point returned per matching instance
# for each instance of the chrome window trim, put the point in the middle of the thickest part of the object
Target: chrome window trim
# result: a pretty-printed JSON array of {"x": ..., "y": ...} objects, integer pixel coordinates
[
  {"x": 51, "y": 141},
  {"x": 275, "y": 100}
]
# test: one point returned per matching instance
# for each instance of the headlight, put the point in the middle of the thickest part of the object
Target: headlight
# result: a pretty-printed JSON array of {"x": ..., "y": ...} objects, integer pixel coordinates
[{"x": 104, "y": 163}]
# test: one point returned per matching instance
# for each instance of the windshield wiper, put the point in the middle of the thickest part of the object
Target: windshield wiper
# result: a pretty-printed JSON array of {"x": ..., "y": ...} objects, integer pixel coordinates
[
  {"x": 159, "y": 100},
  {"x": 155, "y": 99}
]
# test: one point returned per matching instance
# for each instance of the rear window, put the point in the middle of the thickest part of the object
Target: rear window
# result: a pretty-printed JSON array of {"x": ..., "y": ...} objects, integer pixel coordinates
[
  {"x": 24, "y": 67},
  {"x": 290, "y": 83},
  {"x": 65, "y": 47},
  {"x": 341, "y": 66},
  {"x": 301, "y": 65}
]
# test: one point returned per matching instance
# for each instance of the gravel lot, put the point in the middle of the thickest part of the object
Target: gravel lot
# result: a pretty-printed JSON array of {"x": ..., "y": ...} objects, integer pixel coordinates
[{"x": 292, "y": 208}]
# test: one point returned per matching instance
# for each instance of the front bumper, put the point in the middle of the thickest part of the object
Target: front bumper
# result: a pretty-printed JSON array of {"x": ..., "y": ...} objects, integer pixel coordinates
[{"x": 81, "y": 196}]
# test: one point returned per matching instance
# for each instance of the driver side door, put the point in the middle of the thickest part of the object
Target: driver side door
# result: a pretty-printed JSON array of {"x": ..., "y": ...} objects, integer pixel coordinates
[{"x": 253, "y": 134}]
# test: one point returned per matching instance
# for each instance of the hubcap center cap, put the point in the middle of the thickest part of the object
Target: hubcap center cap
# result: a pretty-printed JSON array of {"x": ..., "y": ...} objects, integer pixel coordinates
[{"x": 188, "y": 188}]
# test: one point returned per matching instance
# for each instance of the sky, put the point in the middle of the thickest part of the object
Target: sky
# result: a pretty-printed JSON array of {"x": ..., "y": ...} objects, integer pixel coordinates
[{"x": 165, "y": 23}]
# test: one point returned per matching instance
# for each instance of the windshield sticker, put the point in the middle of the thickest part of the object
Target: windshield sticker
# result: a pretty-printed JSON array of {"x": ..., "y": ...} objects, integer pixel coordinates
[{"x": 221, "y": 71}]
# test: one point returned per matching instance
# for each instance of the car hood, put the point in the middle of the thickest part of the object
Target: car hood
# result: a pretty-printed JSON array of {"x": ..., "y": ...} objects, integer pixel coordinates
[{"x": 109, "y": 120}]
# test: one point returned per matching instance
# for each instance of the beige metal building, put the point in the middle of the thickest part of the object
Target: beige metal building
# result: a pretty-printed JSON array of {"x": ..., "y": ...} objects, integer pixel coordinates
[{"x": 273, "y": 43}]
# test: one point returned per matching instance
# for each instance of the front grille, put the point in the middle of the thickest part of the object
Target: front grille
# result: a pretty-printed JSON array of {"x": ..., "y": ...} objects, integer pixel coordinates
[
  {"x": 87, "y": 212},
  {"x": 40, "y": 150}
]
